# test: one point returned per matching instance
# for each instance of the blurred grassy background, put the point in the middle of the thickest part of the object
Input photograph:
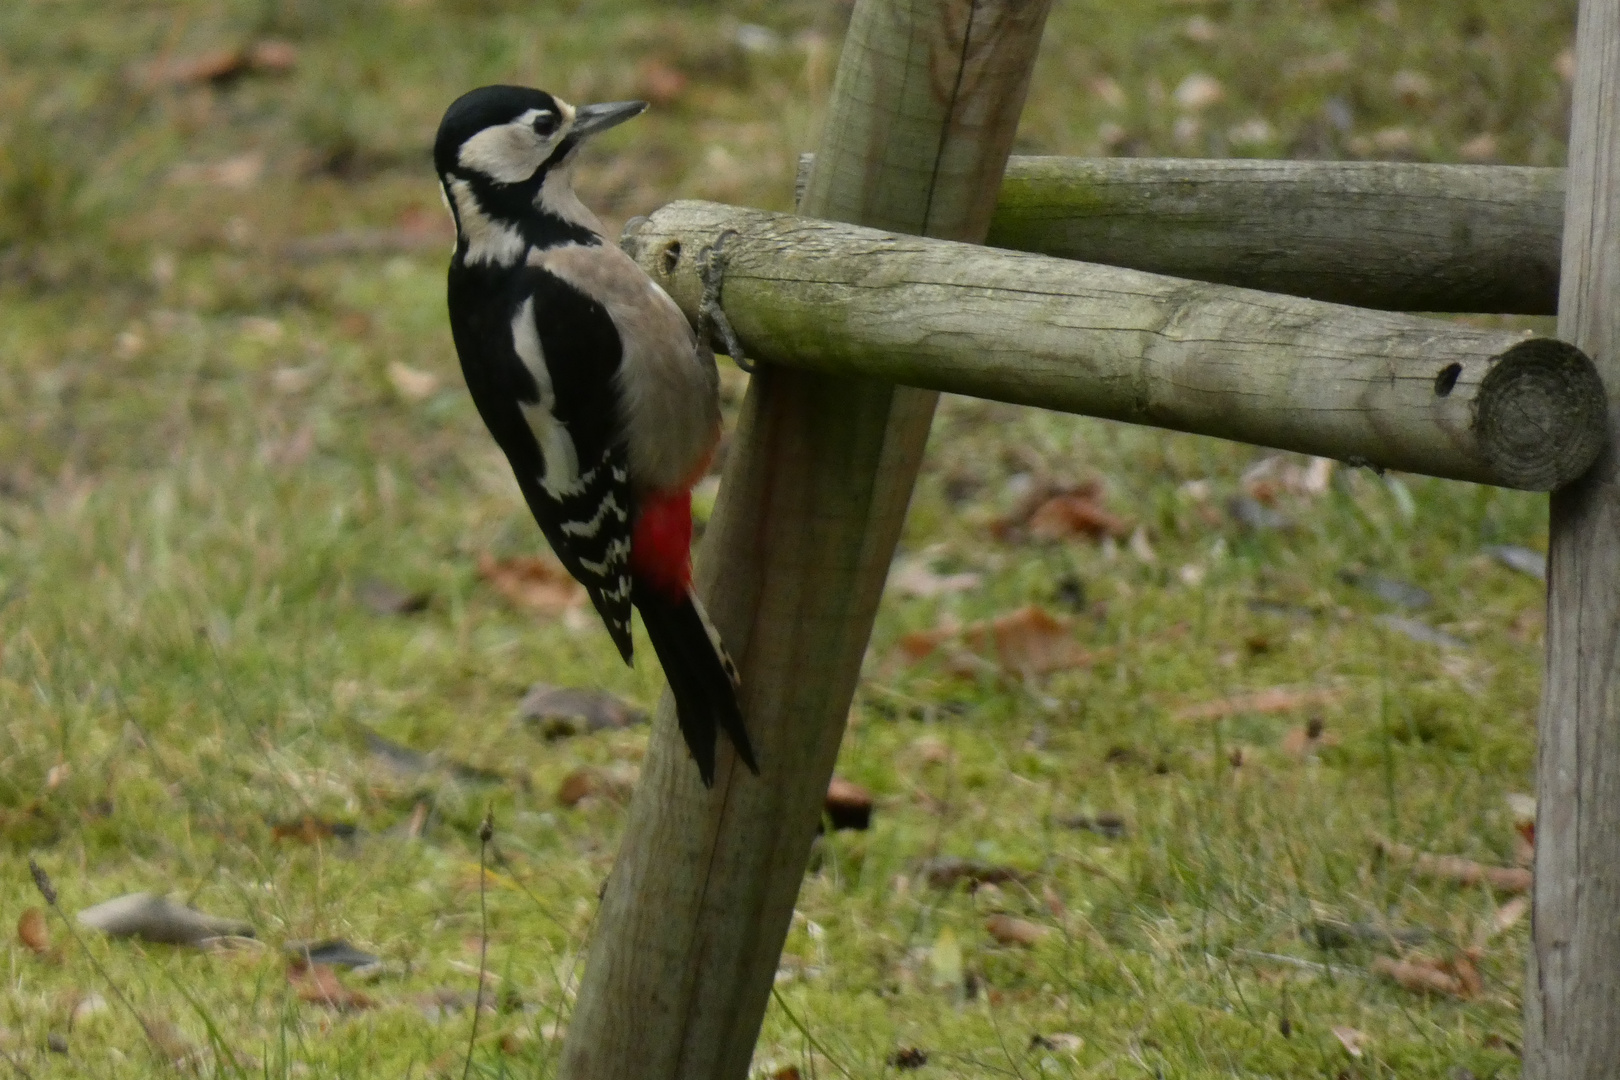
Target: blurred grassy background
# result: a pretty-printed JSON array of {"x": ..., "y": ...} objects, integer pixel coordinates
[{"x": 231, "y": 406}]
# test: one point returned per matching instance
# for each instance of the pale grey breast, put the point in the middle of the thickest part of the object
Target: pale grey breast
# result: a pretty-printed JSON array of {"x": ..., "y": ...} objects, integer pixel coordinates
[{"x": 668, "y": 381}]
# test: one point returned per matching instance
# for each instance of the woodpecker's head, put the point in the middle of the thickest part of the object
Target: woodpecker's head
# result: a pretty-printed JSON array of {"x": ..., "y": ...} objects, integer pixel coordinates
[{"x": 505, "y": 156}]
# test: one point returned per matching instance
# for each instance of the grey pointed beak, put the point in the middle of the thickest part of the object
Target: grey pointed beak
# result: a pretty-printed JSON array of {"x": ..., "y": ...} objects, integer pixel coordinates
[{"x": 590, "y": 119}]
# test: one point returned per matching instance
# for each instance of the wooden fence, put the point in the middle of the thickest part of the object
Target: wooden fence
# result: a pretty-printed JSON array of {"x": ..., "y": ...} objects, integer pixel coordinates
[
  {"x": 882, "y": 294},
  {"x": 1398, "y": 236}
]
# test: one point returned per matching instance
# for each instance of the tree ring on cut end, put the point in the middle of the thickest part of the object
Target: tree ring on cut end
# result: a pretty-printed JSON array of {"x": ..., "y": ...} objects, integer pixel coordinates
[{"x": 1540, "y": 415}]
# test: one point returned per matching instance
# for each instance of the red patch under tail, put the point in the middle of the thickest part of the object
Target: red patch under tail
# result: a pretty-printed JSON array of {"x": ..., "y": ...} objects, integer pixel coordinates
[{"x": 661, "y": 545}]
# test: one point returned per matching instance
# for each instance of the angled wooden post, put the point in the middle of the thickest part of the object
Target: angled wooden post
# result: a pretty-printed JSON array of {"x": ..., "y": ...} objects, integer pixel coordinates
[
  {"x": 922, "y": 117},
  {"x": 1572, "y": 994}
]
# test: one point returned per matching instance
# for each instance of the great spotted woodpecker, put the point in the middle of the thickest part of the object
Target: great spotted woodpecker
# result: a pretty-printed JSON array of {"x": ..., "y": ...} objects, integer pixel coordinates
[{"x": 591, "y": 381}]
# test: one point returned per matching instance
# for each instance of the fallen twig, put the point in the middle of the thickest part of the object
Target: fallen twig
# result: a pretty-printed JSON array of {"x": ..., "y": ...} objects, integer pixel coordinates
[
  {"x": 1455, "y": 868},
  {"x": 485, "y": 832},
  {"x": 1294, "y": 961}
]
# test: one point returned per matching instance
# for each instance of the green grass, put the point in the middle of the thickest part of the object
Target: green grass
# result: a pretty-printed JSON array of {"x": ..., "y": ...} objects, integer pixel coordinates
[{"x": 204, "y": 456}]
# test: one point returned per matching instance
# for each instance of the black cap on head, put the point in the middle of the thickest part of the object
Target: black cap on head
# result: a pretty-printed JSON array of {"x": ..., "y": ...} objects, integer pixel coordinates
[{"x": 478, "y": 109}]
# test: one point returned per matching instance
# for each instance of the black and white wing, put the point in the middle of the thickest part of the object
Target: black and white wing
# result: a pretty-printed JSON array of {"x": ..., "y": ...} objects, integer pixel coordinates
[{"x": 546, "y": 386}]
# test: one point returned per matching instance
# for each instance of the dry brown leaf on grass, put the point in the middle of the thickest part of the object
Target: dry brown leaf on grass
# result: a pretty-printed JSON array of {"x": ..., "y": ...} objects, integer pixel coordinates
[
  {"x": 1455, "y": 868},
  {"x": 1055, "y": 512},
  {"x": 1274, "y": 699},
  {"x": 1029, "y": 641},
  {"x": 1505, "y": 918},
  {"x": 319, "y": 985},
  {"x": 270, "y": 56},
  {"x": 1026, "y": 642},
  {"x": 532, "y": 582},
  {"x": 616, "y": 782},
  {"x": 1457, "y": 977},
  {"x": 33, "y": 932},
  {"x": 1070, "y": 517},
  {"x": 1011, "y": 930},
  {"x": 1524, "y": 843}
]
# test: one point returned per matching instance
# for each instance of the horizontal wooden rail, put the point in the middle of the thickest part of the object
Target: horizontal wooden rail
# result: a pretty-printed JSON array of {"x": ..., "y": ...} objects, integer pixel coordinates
[
  {"x": 1379, "y": 234},
  {"x": 1370, "y": 387}
]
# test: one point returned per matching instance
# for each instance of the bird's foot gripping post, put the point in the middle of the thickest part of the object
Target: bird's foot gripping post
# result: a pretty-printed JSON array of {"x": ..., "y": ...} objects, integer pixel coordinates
[{"x": 711, "y": 262}]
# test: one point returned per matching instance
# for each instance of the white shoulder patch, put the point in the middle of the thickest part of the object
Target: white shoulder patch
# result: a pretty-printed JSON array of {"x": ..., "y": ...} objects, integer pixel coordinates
[
  {"x": 556, "y": 445},
  {"x": 488, "y": 240}
]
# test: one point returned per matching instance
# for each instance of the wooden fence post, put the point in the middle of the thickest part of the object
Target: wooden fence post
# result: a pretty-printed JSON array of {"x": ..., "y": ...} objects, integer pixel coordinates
[
  {"x": 922, "y": 118},
  {"x": 1572, "y": 993}
]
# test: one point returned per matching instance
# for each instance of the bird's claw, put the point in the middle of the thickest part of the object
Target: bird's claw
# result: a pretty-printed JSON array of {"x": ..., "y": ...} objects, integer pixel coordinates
[
  {"x": 629, "y": 242},
  {"x": 711, "y": 316}
]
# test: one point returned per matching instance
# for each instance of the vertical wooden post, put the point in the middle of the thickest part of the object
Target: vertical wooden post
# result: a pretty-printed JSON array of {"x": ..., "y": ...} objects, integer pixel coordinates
[
  {"x": 1572, "y": 994},
  {"x": 922, "y": 118}
]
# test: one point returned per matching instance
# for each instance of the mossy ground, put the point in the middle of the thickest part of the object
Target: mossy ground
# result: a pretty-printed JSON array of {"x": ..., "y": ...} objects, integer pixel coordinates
[{"x": 203, "y": 456}]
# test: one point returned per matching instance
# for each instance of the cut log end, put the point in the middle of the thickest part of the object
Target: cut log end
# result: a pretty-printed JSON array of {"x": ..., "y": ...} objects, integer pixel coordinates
[{"x": 1540, "y": 415}]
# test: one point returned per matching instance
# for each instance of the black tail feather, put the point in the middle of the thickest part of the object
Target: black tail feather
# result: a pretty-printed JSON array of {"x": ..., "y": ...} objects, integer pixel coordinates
[{"x": 700, "y": 676}]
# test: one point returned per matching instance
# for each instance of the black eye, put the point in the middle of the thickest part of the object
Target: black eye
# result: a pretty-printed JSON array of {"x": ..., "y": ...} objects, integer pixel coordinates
[{"x": 545, "y": 124}]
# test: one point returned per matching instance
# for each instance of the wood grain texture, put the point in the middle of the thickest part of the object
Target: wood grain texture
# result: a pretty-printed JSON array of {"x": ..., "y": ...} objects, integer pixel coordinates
[
  {"x": 1572, "y": 994},
  {"x": 1381, "y": 388},
  {"x": 923, "y": 112},
  {"x": 1378, "y": 234}
]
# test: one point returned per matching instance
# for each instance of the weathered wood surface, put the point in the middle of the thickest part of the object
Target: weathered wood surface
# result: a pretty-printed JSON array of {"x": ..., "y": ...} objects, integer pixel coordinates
[
  {"x": 1396, "y": 236},
  {"x": 692, "y": 921},
  {"x": 1572, "y": 995},
  {"x": 1387, "y": 389}
]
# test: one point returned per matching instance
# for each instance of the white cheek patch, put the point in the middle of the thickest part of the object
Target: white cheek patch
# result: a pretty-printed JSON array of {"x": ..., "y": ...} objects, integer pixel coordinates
[
  {"x": 506, "y": 153},
  {"x": 556, "y": 445},
  {"x": 488, "y": 240}
]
